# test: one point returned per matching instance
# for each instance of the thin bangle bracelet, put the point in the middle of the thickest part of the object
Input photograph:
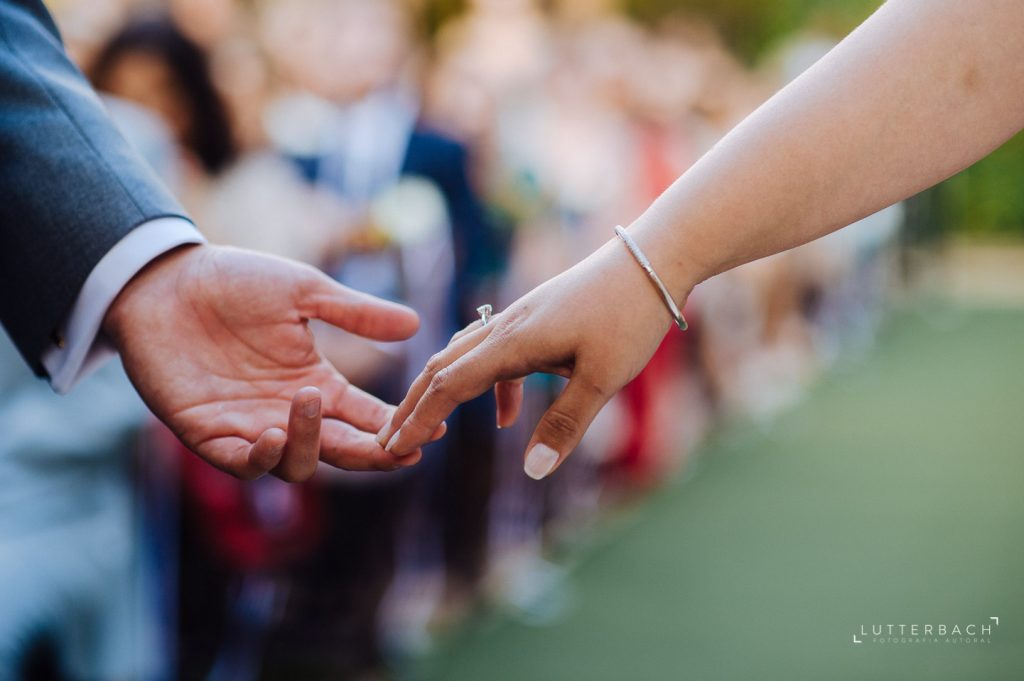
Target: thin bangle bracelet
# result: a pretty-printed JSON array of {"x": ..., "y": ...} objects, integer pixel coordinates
[{"x": 634, "y": 249}]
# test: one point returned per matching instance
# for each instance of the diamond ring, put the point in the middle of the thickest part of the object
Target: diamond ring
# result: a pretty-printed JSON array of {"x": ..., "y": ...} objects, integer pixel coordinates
[{"x": 485, "y": 314}]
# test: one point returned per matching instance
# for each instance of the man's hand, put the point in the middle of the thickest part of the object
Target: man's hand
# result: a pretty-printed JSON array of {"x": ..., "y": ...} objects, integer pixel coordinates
[{"x": 216, "y": 342}]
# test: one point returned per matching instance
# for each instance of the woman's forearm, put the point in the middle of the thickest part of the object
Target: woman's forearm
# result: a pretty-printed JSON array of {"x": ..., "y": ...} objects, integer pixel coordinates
[{"x": 921, "y": 90}]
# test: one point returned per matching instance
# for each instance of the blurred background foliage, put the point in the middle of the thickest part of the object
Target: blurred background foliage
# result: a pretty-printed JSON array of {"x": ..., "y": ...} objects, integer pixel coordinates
[
  {"x": 753, "y": 27},
  {"x": 987, "y": 200}
]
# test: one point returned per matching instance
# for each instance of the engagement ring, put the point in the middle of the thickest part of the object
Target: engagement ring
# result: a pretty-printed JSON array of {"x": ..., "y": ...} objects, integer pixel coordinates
[{"x": 485, "y": 314}]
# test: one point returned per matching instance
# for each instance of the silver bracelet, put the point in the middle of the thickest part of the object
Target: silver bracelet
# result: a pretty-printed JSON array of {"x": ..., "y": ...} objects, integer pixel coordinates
[{"x": 658, "y": 283}]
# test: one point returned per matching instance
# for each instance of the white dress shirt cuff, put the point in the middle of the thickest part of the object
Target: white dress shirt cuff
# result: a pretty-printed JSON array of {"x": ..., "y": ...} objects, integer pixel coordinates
[{"x": 84, "y": 347}]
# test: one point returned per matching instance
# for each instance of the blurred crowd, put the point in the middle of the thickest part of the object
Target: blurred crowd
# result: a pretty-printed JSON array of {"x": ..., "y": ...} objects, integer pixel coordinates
[{"x": 445, "y": 166}]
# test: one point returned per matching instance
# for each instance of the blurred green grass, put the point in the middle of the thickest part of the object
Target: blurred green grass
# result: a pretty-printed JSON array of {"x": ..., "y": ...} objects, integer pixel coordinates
[{"x": 894, "y": 494}]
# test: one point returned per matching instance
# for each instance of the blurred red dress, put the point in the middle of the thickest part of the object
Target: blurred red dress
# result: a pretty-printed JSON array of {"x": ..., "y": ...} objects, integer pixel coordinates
[{"x": 643, "y": 458}]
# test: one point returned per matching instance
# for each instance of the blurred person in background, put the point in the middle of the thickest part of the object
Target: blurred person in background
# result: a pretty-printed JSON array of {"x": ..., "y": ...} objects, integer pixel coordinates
[
  {"x": 508, "y": 49},
  {"x": 562, "y": 156},
  {"x": 246, "y": 197},
  {"x": 779, "y": 321},
  {"x": 412, "y": 229},
  {"x": 81, "y": 589},
  {"x": 150, "y": 62},
  {"x": 209, "y": 23},
  {"x": 565, "y": 156}
]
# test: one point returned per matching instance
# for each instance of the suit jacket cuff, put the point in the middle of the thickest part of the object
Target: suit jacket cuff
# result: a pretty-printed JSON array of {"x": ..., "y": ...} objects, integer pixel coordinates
[{"x": 80, "y": 346}]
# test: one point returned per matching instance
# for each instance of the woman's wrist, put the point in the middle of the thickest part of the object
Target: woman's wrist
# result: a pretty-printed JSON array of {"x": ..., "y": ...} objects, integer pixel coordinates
[{"x": 677, "y": 268}]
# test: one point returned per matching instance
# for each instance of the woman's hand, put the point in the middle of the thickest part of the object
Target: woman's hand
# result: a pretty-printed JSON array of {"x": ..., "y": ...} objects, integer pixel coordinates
[{"x": 596, "y": 324}]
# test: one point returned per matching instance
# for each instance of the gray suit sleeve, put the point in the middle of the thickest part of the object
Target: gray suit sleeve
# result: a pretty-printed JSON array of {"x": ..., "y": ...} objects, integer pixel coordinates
[{"x": 70, "y": 186}]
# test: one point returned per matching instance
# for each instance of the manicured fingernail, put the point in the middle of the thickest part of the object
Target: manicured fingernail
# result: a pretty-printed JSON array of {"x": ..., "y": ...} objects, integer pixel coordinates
[
  {"x": 540, "y": 461},
  {"x": 311, "y": 409},
  {"x": 393, "y": 440},
  {"x": 380, "y": 435}
]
